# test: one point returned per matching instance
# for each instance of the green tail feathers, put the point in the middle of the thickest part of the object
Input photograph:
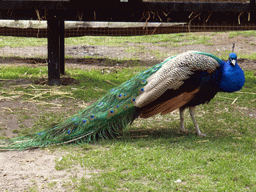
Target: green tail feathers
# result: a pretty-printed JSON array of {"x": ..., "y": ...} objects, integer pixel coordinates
[{"x": 103, "y": 119}]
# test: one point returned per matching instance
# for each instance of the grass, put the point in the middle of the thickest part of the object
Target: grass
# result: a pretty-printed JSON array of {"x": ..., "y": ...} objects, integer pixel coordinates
[
  {"x": 178, "y": 39},
  {"x": 101, "y": 83},
  {"x": 21, "y": 41},
  {"x": 151, "y": 155},
  {"x": 224, "y": 55},
  {"x": 122, "y": 41},
  {"x": 243, "y": 33},
  {"x": 110, "y": 41},
  {"x": 248, "y": 56},
  {"x": 156, "y": 164}
]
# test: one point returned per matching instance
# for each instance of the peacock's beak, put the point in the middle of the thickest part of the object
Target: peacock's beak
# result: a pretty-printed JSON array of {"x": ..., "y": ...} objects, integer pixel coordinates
[{"x": 233, "y": 61}]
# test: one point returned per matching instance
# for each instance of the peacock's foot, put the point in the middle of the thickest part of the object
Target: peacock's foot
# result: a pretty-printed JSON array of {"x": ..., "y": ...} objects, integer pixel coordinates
[
  {"x": 201, "y": 134},
  {"x": 183, "y": 130}
]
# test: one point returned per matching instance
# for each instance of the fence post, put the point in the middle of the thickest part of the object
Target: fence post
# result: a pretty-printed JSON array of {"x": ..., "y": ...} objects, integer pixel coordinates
[
  {"x": 53, "y": 34},
  {"x": 253, "y": 5},
  {"x": 62, "y": 46}
]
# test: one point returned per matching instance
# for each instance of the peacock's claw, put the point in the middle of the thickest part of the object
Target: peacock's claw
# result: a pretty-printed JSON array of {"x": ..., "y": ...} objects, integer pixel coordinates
[
  {"x": 201, "y": 134},
  {"x": 183, "y": 131}
]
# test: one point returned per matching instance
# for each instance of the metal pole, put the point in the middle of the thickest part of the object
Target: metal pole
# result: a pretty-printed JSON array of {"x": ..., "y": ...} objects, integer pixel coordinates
[{"x": 53, "y": 50}]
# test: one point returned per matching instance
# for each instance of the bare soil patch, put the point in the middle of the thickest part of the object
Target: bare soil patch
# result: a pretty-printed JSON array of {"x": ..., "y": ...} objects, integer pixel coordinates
[
  {"x": 35, "y": 169},
  {"x": 63, "y": 81}
]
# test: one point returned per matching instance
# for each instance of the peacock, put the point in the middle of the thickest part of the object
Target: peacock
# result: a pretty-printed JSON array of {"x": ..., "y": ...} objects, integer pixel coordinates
[{"x": 179, "y": 82}]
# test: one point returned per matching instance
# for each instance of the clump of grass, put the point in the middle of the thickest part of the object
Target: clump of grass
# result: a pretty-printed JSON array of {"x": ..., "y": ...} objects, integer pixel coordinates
[
  {"x": 21, "y": 72},
  {"x": 243, "y": 33},
  {"x": 15, "y": 131},
  {"x": 22, "y": 41},
  {"x": 107, "y": 40},
  {"x": 251, "y": 56},
  {"x": 52, "y": 184}
]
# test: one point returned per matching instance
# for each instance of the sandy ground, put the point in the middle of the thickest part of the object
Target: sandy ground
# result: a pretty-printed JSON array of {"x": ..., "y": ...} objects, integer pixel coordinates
[{"x": 21, "y": 169}]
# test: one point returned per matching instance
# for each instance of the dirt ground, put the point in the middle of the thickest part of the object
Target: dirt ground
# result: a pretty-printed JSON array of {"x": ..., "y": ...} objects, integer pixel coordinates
[{"x": 35, "y": 169}]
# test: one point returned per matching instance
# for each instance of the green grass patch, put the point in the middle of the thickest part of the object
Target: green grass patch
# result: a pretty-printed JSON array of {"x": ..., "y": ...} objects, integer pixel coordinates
[
  {"x": 243, "y": 33},
  {"x": 22, "y": 72},
  {"x": 251, "y": 56},
  {"x": 93, "y": 83},
  {"x": 151, "y": 155},
  {"x": 22, "y": 41},
  {"x": 157, "y": 164},
  {"x": 225, "y": 54},
  {"x": 173, "y": 39},
  {"x": 188, "y": 38}
]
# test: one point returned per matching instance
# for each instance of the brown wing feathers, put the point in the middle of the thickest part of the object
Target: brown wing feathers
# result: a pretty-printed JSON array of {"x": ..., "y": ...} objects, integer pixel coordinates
[{"x": 169, "y": 105}]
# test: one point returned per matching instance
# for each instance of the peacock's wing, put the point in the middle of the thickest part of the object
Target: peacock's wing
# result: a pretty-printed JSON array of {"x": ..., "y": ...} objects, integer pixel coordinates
[{"x": 170, "y": 78}]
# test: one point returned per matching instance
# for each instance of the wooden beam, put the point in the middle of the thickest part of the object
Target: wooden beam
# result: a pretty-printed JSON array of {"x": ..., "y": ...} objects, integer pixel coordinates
[
  {"x": 62, "y": 46},
  {"x": 125, "y": 6},
  {"x": 253, "y": 6},
  {"x": 53, "y": 50},
  {"x": 196, "y": 6}
]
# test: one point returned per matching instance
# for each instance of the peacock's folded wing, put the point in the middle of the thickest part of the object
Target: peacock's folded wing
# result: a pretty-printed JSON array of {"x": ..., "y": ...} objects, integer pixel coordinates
[{"x": 171, "y": 76}]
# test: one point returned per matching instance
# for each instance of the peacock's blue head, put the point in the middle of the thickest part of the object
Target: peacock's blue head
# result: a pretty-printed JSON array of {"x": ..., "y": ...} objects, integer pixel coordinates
[
  {"x": 232, "y": 59},
  {"x": 232, "y": 75}
]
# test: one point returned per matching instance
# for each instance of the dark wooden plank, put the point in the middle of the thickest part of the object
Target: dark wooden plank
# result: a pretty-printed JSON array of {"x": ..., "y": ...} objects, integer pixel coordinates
[
  {"x": 53, "y": 51},
  {"x": 126, "y": 6},
  {"x": 37, "y": 0},
  {"x": 253, "y": 6},
  {"x": 62, "y": 46},
  {"x": 196, "y": 6},
  {"x": 33, "y": 5}
]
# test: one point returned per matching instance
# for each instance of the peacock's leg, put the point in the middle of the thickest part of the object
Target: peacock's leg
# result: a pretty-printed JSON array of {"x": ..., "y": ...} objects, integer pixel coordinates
[
  {"x": 192, "y": 111},
  {"x": 182, "y": 129}
]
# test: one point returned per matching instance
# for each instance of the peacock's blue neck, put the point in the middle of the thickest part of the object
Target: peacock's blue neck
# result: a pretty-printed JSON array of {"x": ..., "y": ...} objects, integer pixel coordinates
[{"x": 232, "y": 77}]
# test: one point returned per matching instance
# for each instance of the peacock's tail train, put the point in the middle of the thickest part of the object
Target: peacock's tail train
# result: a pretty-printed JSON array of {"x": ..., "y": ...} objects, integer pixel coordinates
[{"x": 103, "y": 119}]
